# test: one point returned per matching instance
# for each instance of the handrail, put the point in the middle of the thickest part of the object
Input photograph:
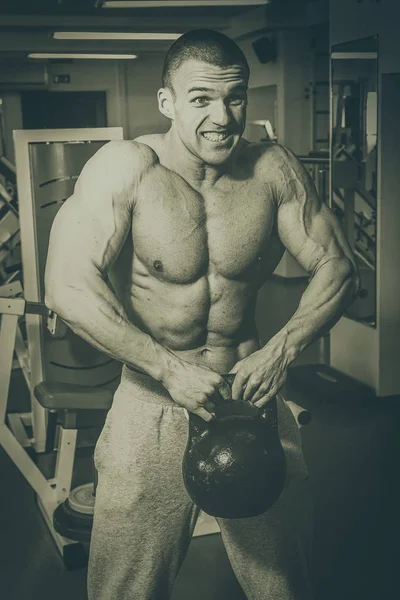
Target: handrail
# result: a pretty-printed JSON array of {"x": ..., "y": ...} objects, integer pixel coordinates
[
  {"x": 320, "y": 168},
  {"x": 358, "y": 226},
  {"x": 364, "y": 259},
  {"x": 8, "y": 169},
  {"x": 6, "y": 198},
  {"x": 365, "y": 195},
  {"x": 313, "y": 160}
]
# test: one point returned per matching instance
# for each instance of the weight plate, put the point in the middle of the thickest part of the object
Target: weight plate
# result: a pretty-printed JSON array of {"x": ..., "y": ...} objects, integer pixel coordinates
[{"x": 81, "y": 499}]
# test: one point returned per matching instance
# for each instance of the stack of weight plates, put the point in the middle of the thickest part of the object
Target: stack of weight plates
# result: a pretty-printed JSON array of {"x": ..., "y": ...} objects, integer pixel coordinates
[{"x": 73, "y": 519}]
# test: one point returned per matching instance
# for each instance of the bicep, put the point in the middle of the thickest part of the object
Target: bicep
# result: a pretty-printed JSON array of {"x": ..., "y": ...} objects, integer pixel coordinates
[{"x": 306, "y": 226}]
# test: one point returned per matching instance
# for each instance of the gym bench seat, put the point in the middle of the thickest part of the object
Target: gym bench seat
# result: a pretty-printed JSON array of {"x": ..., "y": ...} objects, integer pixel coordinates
[{"x": 69, "y": 396}]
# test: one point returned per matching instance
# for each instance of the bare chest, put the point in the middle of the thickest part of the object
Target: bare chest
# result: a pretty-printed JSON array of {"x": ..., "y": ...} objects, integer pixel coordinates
[{"x": 180, "y": 235}]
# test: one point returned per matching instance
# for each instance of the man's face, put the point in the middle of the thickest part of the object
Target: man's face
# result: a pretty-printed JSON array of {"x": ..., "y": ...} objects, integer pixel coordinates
[{"x": 209, "y": 109}]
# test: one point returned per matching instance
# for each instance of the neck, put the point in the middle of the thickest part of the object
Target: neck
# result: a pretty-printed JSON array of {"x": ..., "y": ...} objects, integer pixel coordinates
[{"x": 191, "y": 167}]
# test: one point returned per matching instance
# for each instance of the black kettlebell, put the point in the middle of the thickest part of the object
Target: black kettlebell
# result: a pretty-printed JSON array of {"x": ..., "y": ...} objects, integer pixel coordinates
[{"x": 234, "y": 466}]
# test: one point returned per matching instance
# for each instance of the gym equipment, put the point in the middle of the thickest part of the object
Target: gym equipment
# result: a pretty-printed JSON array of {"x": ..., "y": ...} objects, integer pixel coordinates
[
  {"x": 71, "y": 385},
  {"x": 9, "y": 222},
  {"x": 81, "y": 499},
  {"x": 234, "y": 466},
  {"x": 329, "y": 385},
  {"x": 354, "y": 165}
]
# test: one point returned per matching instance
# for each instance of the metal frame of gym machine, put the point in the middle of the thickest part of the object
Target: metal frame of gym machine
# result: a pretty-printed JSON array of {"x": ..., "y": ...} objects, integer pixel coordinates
[
  {"x": 16, "y": 302},
  {"x": 13, "y": 427}
]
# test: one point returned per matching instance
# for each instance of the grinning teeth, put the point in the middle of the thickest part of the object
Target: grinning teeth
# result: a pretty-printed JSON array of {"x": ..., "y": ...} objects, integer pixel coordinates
[{"x": 215, "y": 137}]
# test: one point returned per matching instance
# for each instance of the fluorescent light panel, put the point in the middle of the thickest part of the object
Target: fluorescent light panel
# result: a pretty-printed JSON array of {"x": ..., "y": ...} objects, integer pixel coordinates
[
  {"x": 112, "y": 35},
  {"x": 81, "y": 55},
  {"x": 180, "y": 3},
  {"x": 353, "y": 55}
]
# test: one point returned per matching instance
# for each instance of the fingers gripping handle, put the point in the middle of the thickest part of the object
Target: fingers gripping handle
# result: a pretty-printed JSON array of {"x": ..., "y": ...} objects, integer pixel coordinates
[
  {"x": 229, "y": 378},
  {"x": 268, "y": 412}
]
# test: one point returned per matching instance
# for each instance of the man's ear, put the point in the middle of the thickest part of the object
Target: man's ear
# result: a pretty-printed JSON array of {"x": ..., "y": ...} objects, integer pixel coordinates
[{"x": 166, "y": 103}]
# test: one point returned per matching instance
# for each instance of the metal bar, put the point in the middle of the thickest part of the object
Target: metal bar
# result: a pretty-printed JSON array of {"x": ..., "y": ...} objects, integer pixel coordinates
[
  {"x": 21, "y": 351},
  {"x": 51, "y": 430},
  {"x": 25, "y": 464},
  {"x": 365, "y": 195},
  {"x": 12, "y": 306},
  {"x": 324, "y": 348},
  {"x": 65, "y": 462},
  {"x": 339, "y": 112},
  {"x": 358, "y": 226},
  {"x": 322, "y": 183},
  {"x": 313, "y": 160},
  {"x": 26, "y": 418},
  {"x": 16, "y": 426},
  {"x": 10, "y": 290},
  {"x": 7, "y": 340},
  {"x": 9, "y": 166},
  {"x": 7, "y": 199},
  {"x": 36, "y": 308},
  {"x": 364, "y": 260},
  {"x": 349, "y": 203}
]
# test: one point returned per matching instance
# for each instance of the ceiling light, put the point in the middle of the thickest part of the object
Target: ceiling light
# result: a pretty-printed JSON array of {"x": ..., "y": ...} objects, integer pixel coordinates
[
  {"x": 354, "y": 55},
  {"x": 112, "y": 35},
  {"x": 180, "y": 3},
  {"x": 74, "y": 55}
]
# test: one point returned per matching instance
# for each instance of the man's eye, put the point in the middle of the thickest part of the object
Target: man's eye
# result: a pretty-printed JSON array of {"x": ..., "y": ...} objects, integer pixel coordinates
[
  {"x": 200, "y": 100},
  {"x": 236, "y": 101}
]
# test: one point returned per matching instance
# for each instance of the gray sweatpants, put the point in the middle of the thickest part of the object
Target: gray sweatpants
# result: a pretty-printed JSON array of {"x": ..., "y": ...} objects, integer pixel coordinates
[{"x": 144, "y": 518}]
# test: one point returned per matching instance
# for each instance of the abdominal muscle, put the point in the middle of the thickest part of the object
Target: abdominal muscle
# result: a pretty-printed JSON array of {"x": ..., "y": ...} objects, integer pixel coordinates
[{"x": 184, "y": 320}]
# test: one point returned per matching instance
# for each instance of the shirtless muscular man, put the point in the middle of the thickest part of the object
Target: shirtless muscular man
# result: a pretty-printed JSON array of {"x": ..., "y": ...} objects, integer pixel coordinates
[{"x": 156, "y": 260}]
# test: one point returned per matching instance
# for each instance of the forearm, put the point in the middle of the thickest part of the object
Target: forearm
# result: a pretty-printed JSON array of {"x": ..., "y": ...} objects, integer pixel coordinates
[
  {"x": 94, "y": 313},
  {"x": 330, "y": 291}
]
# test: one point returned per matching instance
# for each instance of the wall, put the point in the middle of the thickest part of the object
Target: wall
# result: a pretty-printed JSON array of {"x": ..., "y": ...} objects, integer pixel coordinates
[
  {"x": 143, "y": 79},
  {"x": 291, "y": 74},
  {"x": 371, "y": 355},
  {"x": 12, "y": 120},
  {"x": 267, "y": 74},
  {"x": 296, "y": 79},
  {"x": 352, "y": 19},
  {"x": 90, "y": 75},
  {"x": 130, "y": 87}
]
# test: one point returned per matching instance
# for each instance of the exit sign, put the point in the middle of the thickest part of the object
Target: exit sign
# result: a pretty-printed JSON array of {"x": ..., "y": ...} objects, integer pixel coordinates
[{"x": 62, "y": 78}]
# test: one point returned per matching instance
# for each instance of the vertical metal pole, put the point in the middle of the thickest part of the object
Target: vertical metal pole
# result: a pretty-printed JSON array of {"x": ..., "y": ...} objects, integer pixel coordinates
[
  {"x": 349, "y": 208},
  {"x": 8, "y": 328},
  {"x": 322, "y": 183}
]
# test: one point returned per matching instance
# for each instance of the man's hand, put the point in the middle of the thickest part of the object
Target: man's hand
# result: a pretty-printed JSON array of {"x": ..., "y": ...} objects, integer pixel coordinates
[
  {"x": 260, "y": 376},
  {"x": 194, "y": 387}
]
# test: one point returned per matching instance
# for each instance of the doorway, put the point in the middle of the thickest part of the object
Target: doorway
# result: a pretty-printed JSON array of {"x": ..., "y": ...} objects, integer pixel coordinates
[{"x": 42, "y": 109}]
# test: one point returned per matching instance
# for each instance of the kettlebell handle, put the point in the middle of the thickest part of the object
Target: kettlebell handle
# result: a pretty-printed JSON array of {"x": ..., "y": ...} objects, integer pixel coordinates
[
  {"x": 267, "y": 412},
  {"x": 229, "y": 378}
]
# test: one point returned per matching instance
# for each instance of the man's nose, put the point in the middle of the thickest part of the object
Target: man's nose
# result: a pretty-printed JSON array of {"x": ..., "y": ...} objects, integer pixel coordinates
[{"x": 220, "y": 114}]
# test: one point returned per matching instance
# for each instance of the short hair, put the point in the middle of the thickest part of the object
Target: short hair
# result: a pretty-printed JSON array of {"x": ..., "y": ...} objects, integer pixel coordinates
[{"x": 205, "y": 45}]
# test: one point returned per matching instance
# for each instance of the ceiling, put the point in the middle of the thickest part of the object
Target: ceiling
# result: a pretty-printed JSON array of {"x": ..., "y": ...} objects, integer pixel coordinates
[
  {"x": 94, "y": 7},
  {"x": 27, "y": 25}
]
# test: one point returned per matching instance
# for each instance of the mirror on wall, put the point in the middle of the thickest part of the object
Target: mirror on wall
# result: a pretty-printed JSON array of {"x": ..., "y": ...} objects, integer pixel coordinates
[
  {"x": 261, "y": 121},
  {"x": 354, "y": 138}
]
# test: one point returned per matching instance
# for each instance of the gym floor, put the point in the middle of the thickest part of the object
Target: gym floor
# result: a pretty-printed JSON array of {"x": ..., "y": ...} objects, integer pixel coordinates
[{"x": 352, "y": 449}]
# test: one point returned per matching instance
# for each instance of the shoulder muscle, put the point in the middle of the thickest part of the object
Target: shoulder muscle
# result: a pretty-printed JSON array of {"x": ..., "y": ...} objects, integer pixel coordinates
[
  {"x": 91, "y": 227},
  {"x": 115, "y": 170}
]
